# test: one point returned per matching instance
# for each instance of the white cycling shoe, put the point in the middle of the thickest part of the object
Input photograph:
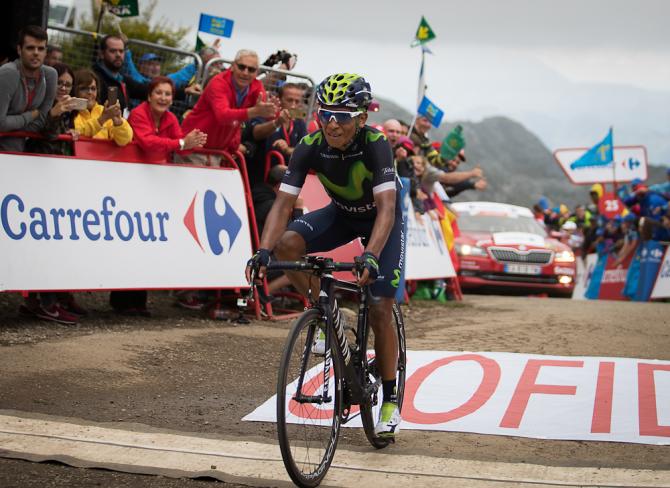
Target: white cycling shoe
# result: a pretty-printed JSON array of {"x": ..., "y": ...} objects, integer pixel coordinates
[{"x": 389, "y": 421}]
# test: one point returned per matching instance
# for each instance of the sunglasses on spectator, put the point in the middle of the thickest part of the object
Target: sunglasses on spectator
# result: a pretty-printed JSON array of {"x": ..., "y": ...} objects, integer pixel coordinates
[
  {"x": 244, "y": 67},
  {"x": 340, "y": 116}
]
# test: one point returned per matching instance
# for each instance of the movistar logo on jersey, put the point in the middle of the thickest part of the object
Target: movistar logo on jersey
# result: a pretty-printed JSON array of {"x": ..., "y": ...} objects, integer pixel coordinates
[
  {"x": 374, "y": 136},
  {"x": 353, "y": 190},
  {"x": 314, "y": 137}
]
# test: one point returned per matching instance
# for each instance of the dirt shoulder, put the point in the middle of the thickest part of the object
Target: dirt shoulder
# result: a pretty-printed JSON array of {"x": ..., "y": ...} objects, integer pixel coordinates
[{"x": 180, "y": 371}]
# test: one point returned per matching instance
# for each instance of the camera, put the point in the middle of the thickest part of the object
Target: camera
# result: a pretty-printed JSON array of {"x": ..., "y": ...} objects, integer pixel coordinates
[{"x": 281, "y": 57}]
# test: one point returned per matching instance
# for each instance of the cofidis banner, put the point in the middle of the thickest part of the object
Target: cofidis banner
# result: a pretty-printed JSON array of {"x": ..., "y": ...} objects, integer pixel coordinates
[
  {"x": 71, "y": 224},
  {"x": 525, "y": 395}
]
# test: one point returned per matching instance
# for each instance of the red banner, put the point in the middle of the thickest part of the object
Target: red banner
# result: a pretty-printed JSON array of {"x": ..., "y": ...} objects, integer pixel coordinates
[{"x": 614, "y": 278}]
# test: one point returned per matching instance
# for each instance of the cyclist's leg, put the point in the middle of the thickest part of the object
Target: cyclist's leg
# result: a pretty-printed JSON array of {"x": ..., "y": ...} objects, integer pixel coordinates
[
  {"x": 318, "y": 231},
  {"x": 391, "y": 262}
]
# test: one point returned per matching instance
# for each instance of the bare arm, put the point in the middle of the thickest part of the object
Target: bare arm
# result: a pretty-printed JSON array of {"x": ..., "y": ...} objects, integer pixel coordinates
[
  {"x": 275, "y": 223},
  {"x": 460, "y": 176},
  {"x": 385, "y": 202}
]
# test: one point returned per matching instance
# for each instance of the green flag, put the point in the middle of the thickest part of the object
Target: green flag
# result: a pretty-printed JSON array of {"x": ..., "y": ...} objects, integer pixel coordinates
[
  {"x": 424, "y": 33},
  {"x": 123, "y": 8},
  {"x": 452, "y": 143}
]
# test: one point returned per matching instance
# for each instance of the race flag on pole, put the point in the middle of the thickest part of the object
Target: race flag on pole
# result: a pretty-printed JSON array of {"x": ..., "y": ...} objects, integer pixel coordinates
[
  {"x": 123, "y": 8},
  {"x": 431, "y": 111},
  {"x": 424, "y": 33},
  {"x": 213, "y": 26},
  {"x": 602, "y": 154}
]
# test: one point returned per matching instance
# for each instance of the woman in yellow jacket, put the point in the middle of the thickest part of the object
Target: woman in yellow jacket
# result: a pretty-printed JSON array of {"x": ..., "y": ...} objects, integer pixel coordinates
[{"x": 97, "y": 121}]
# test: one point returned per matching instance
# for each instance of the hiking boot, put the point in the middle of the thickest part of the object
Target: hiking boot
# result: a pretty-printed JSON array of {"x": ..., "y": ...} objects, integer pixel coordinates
[
  {"x": 55, "y": 313},
  {"x": 389, "y": 421}
]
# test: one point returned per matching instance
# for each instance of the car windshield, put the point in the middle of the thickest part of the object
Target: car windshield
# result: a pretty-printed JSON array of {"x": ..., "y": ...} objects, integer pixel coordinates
[{"x": 491, "y": 223}]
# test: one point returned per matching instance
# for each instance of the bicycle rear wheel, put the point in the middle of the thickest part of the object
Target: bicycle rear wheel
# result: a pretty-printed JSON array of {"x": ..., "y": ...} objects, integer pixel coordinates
[
  {"x": 308, "y": 432},
  {"x": 370, "y": 409}
]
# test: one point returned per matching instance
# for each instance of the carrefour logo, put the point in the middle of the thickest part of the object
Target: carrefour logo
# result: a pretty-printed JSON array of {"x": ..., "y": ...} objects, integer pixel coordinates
[
  {"x": 106, "y": 222},
  {"x": 215, "y": 221}
]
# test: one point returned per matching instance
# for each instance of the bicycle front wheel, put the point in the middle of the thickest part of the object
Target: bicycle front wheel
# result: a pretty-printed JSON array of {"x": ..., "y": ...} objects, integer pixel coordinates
[
  {"x": 308, "y": 425},
  {"x": 370, "y": 409}
]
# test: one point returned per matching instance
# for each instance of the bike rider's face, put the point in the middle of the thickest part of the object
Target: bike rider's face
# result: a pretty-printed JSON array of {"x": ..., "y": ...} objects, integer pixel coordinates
[{"x": 340, "y": 135}]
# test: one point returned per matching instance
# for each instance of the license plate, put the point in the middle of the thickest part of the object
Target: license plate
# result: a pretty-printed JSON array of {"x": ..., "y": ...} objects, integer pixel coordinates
[{"x": 527, "y": 269}]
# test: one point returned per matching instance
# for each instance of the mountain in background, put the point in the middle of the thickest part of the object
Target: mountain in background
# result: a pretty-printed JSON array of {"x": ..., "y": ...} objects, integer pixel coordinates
[{"x": 518, "y": 166}]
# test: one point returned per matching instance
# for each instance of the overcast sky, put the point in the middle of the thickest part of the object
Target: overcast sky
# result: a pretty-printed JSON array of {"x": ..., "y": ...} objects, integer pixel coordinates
[{"x": 490, "y": 56}]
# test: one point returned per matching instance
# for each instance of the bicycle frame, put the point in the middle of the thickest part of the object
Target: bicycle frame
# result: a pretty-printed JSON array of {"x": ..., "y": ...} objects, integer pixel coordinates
[{"x": 356, "y": 392}]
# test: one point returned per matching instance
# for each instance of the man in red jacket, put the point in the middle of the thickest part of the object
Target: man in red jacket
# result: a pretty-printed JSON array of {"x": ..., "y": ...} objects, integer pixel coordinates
[{"x": 230, "y": 99}]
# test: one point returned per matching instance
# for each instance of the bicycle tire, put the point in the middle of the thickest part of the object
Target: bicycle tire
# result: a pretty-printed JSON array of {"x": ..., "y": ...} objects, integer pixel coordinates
[
  {"x": 369, "y": 410},
  {"x": 308, "y": 442}
]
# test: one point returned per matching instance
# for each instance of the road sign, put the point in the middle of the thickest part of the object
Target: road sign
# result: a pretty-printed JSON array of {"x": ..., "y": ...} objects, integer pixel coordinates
[{"x": 630, "y": 162}]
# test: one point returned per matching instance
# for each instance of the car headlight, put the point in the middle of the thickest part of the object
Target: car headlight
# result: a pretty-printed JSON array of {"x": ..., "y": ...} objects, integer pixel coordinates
[
  {"x": 565, "y": 257},
  {"x": 468, "y": 250}
]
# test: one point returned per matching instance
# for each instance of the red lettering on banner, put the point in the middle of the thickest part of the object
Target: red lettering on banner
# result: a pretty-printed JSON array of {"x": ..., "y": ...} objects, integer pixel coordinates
[
  {"x": 647, "y": 400},
  {"x": 487, "y": 386},
  {"x": 601, "y": 422},
  {"x": 527, "y": 387}
]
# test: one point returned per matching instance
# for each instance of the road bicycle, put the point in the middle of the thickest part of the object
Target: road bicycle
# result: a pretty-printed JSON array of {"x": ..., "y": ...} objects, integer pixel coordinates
[{"x": 318, "y": 392}]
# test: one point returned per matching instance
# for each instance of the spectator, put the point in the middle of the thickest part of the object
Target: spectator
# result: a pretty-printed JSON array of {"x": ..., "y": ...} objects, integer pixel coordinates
[
  {"x": 479, "y": 184},
  {"x": 229, "y": 99},
  {"x": 291, "y": 127},
  {"x": 402, "y": 150},
  {"x": 423, "y": 143},
  {"x": 109, "y": 71},
  {"x": 582, "y": 218},
  {"x": 156, "y": 129},
  {"x": 54, "y": 56},
  {"x": 27, "y": 89},
  {"x": 630, "y": 238},
  {"x": 60, "y": 119},
  {"x": 393, "y": 131},
  {"x": 429, "y": 175},
  {"x": 149, "y": 66},
  {"x": 97, "y": 121},
  {"x": 595, "y": 193},
  {"x": 652, "y": 206}
]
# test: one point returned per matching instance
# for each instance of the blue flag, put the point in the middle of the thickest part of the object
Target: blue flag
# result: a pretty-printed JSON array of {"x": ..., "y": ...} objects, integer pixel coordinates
[
  {"x": 219, "y": 26},
  {"x": 602, "y": 154},
  {"x": 431, "y": 111}
]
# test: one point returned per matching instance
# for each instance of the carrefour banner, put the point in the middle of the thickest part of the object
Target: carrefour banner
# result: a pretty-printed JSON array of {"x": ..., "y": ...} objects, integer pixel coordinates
[
  {"x": 662, "y": 286},
  {"x": 524, "y": 395},
  {"x": 71, "y": 224}
]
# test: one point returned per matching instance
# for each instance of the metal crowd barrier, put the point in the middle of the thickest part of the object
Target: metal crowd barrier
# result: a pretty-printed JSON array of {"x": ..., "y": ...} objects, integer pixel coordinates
[{"x": 80, "y": 50}]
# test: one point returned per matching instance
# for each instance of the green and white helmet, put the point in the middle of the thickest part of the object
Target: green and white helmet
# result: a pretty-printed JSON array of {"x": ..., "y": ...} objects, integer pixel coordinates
[{"x": 344, "y": 90}]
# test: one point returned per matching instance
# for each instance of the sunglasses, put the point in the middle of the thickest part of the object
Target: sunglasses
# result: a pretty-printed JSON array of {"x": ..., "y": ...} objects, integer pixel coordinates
[
  {"x": 244, "y": 67},
  {"x": 341, "y": 117}
]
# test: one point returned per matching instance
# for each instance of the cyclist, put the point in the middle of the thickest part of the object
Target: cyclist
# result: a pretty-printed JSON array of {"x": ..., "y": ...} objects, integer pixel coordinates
[{"x": 354, "y": 163}]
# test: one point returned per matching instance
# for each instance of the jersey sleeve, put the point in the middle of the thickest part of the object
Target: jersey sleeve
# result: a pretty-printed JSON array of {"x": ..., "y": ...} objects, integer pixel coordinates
[
  {"x": 298, "y": 167},
  {"x": 380, "y": 155}
]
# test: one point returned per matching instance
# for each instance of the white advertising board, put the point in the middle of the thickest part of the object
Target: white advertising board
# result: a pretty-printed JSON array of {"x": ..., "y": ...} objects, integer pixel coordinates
[
  {"x": 662, "y": 285},
  {"x": 630, "y": 162},
  {"x": 427, "y": 253},
  {"x": 583, "y": 278},
  {"x": 525, "y": 395},
  {"x": 72, "y": 224}
]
